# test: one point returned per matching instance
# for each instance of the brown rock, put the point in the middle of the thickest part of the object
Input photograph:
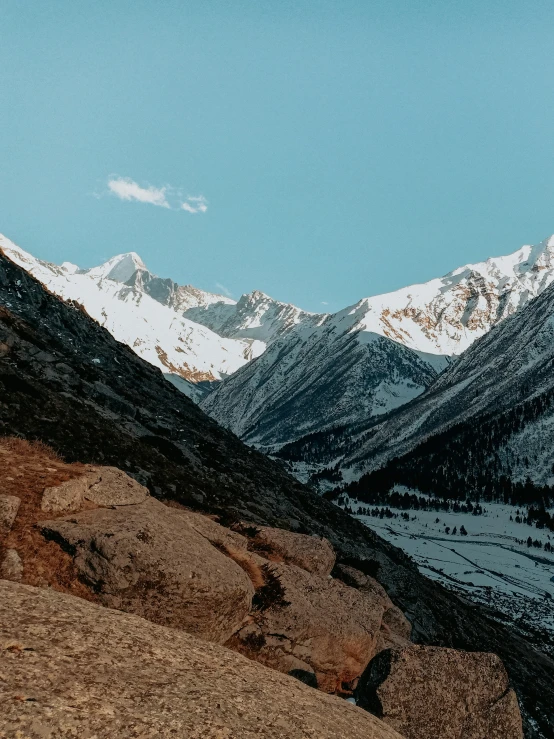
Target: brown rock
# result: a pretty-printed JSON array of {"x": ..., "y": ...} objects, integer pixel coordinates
[
  {"x": 9, "y": 505},
  {"x": 147, "y": 559},
  {"x": 216, "y": 534},
  {"x": 435, "y": 693},
  {"x": 73, "y": 669},
  {"x": 109, "y": 486},
  {"x": 312, "y": 553},
  {"x": 66, "y": 497},
  {"x": 12, "y": 566},
  {"x": 105, "y": 486},
  {"x": 331, "y": 628},
  {"x": 395, "y": 628}
]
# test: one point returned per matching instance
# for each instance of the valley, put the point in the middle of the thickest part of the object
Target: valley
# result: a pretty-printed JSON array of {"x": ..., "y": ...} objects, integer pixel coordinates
[{"x": 492, "y": 564}]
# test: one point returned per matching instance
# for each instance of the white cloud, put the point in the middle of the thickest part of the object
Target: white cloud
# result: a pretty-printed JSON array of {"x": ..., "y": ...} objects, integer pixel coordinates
[
  {"x": 127, "y": 189},
  {"x": 324, "y": 302},
  {"x": 224, "y": 290},
  {"x": 169, "y": 197},
  {"x": 195, "y": 204}
]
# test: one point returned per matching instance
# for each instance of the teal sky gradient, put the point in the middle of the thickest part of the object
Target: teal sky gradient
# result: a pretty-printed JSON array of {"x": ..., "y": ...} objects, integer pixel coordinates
[{"x": 344, "y": 148}]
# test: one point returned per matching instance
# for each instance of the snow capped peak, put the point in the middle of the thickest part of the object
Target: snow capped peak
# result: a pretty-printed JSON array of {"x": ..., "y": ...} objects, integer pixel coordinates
[
  {"x": 119, "y": 268},
  {"x": 255, "y": 297},
  {"x": 69, "y": 267}
]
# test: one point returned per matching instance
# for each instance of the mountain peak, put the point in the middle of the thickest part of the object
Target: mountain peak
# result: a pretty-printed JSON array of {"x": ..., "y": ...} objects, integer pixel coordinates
[
  {"x": 256, "y": 295},
  {"x": 119, "y": 268}
]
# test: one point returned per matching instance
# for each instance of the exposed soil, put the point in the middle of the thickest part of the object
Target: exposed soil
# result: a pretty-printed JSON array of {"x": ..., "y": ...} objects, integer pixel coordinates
[{"x": 28, "y": 468}]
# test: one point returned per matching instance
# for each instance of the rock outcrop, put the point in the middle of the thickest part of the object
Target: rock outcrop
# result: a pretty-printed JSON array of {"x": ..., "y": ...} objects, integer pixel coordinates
[
  {"x": 311, "y": 553},
  {"x": 312, "y": 623},
  {"x": 105, "y": 486},
  {"x": 180, "y": 569},
  {"x": 9, "y": 505},
  {"x": 261, "y": 591},
  {"x": 73, "y": 669},
  {"x": 395, "y": 628},
  {"x": 434, "y": 693},
  {"x": 146, "y": 559}
]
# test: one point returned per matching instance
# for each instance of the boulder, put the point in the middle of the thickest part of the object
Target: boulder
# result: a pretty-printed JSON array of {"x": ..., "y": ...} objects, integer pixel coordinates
[
  {"x": 216, "y": 534},
  {"x": 312, "y": 623},
  {"x": 66, "y": 497},
  {"x": 436, "y": 693},
  {"x": 104, "y": 486},
  {"x": 312, "y": 553},
  {"x": 12, "y": 566},
  {"x": 147, "y": 559},
  {"x": 9, "y": 506},
  {"x": 109, "y": 486},
  {"x": 395, "y": 628},
  {"x": 70, "y": 668}
]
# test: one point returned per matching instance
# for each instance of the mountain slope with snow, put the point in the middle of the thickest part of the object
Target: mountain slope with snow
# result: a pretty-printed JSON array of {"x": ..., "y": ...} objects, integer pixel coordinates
[
  {"x": 485, "y": 427},
  {"x": 323, "y": 370},
  {"x": 446, "y": 315},
  {"x": 345, "y": 369},
  {"x": 254, "y": 316},
  {"x": 186, "y": 352},
  {"x": 318, "y": 376}
]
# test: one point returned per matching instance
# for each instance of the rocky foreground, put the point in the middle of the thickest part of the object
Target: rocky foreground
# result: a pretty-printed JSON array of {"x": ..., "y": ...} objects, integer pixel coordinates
[
  {"x": 124, "y": 616},
  {"x": 73, "y": 669}
]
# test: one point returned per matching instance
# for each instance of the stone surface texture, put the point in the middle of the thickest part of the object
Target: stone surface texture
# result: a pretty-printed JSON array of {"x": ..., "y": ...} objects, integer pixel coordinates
[
  {"x": 9, "y": 505},
  {"x": 146, "y": 559},
  {"x": 12, "y": 566},
  {"x": 105, "y": 486},
  {"x": 434, "y": 693},
  {"x": 317, "y": 624},
  {"x": 312, "y": 553},
  {"x": 73, "y": 669}
]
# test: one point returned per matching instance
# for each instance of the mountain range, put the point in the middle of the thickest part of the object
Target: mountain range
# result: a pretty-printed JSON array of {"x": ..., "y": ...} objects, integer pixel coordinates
[
  {"x": 377, "y": 355},
  {"x": 486, "y": 422},
  {"x": 274, "y": 373}
]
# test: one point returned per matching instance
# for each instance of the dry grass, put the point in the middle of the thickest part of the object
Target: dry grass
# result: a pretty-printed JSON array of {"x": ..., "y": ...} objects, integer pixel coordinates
[
  {"x": 26, "y": 468},
  {"x": 252, "y": 568}
]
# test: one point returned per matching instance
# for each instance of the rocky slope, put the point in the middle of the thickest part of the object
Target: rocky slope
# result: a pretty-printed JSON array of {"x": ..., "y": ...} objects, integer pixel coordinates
[
  {"x": 265, "y": 592},
  {"x": 273, "y": 595},
  {"x": 66, "y": 381},
  {"x": 71, "y": 668}
]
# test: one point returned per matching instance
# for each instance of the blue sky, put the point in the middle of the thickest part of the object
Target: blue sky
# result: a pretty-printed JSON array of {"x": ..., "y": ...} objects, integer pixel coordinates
[{"x": 323, "y": 150}]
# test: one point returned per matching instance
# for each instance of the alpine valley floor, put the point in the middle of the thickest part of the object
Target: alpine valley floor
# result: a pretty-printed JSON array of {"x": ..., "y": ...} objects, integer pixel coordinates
[{"x": 491, "y": 565}]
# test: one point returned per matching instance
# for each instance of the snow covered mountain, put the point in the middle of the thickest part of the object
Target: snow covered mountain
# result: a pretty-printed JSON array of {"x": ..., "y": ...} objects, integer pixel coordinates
[
  {"x": 485, "y": 425},
  {"x": 320, "y": 374},
  {"x": 343, "y": 369},
  {"x": 146, "y": 313},
  {"x": 255, "y": 316},
  {"x": 320, "y": 370},
  {"x": 446, "y": 315}
]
